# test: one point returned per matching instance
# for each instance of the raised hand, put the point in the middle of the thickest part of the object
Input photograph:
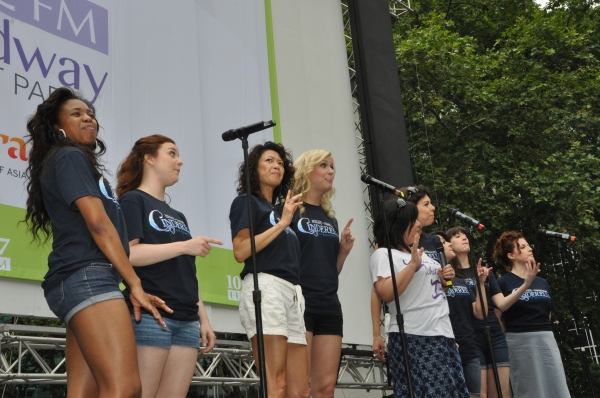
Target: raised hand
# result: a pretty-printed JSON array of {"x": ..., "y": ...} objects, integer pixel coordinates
[
  {"x": 532, "y": 270},
  {"x": 416, "y": 254},
  {"x": 200, "y": 245},
  {"x": 290, "y": 207},
  {"x": 482, "y": 271},
  {"x": 346, "y": 239}
]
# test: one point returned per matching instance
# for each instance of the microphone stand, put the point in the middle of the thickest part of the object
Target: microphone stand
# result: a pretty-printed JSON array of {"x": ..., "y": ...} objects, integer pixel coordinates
[
  {"x": 486, "y": 326},
  {"x": 579, "y": 338},
  {"x": 256, "y": 294},
  {"x": 399, "y": 315}
]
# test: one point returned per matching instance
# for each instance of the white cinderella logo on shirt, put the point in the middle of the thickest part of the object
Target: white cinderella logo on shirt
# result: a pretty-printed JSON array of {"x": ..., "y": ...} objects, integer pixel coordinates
[
  {"x": 313, "y": 228},
  {"x": 107, "y": 191},
  {"x": 274, "y": 222},
  {"x": 169, "y": 223}
]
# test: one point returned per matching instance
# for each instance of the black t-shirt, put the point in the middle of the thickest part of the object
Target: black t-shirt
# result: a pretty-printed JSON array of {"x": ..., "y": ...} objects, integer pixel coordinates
[
  {"x": 154, "y": 222},
  {"x": 491, "y": 289},
  {"x": 531, "y": 312},
  {"x": 281, "y": 257},
  {"x": 320, "y": 244},
  {"x": 69, "y": 176},
  {"x": 427, "y": 242},
  {"x": 460, "y": 301}
]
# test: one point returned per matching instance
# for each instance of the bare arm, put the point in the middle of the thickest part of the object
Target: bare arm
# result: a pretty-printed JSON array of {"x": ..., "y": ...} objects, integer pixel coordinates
[
  {"x": 107, "y": 238},
  {"x": 378, "y": 343},
  {"x": 346, "y": 244},
  {"x": 206, "y": 333},
  {"x": 384, "y": 287},
  {"x": 241, "y": 242},
  {"x": 142, "y": 254},
  {"x": 505, "y": 302}
]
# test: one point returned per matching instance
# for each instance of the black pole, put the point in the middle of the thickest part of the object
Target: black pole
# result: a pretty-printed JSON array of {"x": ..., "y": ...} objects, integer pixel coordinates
[
  {"x": 256, "y": 294},
  {"x": 486, "y": 326},
  {"x": 580, "y": 338},
  {"x": 399, "y": 316}
]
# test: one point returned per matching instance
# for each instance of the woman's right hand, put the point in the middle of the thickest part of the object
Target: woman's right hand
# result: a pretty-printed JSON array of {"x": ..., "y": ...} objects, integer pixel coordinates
[
  {"x": 149, "y": 302},
  {"x": 200, "y": 245},
  {"x": 379, "y": 348},
  {"x": 416, "y": 254},
  {"x": 482, "y": 271},
  {"x": 289, "y": 208}
]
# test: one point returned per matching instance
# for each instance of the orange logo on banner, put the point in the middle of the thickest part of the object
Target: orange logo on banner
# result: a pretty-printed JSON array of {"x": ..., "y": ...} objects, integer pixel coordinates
[{"x": 18, "y": 150}]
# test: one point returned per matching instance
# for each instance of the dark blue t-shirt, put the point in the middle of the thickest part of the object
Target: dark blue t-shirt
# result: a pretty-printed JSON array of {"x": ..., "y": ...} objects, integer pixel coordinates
[
  {"x": 460, "y": 301},
  {"x": 491, "y": 289},
  {"x": 281, "y": 257},
  {"x": 69, "y": 176},
  {"x": 427, "y": 242},
  {"x": 154, "y": 222},
  {"x": 531, "y": 312},
  {"x": 320, "y": 244}
]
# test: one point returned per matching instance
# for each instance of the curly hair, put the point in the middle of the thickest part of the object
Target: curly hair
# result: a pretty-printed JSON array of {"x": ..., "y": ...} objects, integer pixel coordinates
[
  {"x": 253, "y": 157},
  {"x": 505, "y": 244},
  {"x": 305, "y": 165},
  {"x": 399, "y": 220},
  {"x": 131, "y": 171},
  {"x": 47, "y": 139}
]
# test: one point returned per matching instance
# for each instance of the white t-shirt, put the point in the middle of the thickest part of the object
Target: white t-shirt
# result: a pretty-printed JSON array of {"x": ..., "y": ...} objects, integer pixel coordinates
[{"x": 423, "y": 302}]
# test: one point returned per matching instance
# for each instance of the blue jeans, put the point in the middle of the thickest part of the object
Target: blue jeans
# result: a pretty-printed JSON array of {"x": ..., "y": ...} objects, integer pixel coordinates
[
  {"x": 87, "y": 286},
  {"x": 149, "y": 333}
]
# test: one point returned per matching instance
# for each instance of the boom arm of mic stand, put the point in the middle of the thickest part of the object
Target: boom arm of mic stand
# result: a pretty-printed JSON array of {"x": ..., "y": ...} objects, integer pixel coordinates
[
  {"x": 399, "y": 316},
  {"x": 486, "y": 325}
]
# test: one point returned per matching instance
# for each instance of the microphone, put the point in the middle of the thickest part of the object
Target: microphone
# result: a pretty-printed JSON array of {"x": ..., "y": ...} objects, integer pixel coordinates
[
  {"x": 439, "y": 248},
  {"x": 247, "y": 130},
  {"x": 455, "y": 213},
  {"x": 367, "y": 179},
  {"x": 556, "y": 235}
]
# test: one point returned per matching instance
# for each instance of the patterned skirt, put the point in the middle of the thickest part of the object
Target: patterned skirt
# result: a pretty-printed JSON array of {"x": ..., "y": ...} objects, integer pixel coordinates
[{"x": 435, "y": 366}]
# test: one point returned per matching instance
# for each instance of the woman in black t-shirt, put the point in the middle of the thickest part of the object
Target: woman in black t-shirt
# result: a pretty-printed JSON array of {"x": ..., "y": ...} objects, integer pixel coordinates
[
  {"x": 278, "y": 265},
  {"x": 536, "y": 365},
  {"x": 163, "y": 254},
  {"x": 496, "y": 300},
  {"x": 322, "y": 258},
  {"x": 70, "y": 201}
]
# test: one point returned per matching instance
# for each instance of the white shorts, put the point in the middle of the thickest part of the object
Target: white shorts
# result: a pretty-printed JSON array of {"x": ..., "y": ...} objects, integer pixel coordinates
[{"x": 282, "y": 308}]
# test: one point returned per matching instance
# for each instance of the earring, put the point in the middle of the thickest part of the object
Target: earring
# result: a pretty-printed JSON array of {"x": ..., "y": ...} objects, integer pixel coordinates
[
  {"x": 63, "y": 131},
  {"x": 96, "y": 147}
]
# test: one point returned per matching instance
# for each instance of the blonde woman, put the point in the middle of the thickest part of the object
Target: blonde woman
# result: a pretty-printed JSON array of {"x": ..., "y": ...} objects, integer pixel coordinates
[{"x": 322, "y": 258}]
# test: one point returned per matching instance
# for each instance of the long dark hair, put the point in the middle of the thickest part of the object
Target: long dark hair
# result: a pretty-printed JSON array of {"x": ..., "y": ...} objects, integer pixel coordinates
[
  {"x": 47, "y": 139},
  {"x": 399, "y": 219},
  {"x": 131, "y": 171},
  {"x": 455, "y": 262},
  {"x": 253, "y": 157}
]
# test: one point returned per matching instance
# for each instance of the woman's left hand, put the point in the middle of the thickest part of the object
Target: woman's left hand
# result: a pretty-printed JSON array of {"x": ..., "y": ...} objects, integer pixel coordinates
[
  {"x": 346, "y": 239},
  {"x": 446, "y": 274},
  {"x": 208, "y": 338}
]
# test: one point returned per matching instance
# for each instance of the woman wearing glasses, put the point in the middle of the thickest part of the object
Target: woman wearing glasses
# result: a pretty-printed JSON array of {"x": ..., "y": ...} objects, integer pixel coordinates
[{"x": 434, "y": 361}]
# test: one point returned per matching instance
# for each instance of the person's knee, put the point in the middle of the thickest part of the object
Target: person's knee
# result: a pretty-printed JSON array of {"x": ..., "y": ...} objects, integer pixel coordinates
[
  {"x": 300, "y": 392},
  {"x": 323, "y": 391},
  {"x": 130, "y": 389}
]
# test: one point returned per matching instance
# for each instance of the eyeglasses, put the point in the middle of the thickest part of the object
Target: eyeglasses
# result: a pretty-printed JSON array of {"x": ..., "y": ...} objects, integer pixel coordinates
[
  {"x": 411, "y": 191},
  {"x": 401, "y": 203}
]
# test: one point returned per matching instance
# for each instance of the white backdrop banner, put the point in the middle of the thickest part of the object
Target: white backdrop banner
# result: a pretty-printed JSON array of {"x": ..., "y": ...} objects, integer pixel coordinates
[{"x": 186, "y": 69}]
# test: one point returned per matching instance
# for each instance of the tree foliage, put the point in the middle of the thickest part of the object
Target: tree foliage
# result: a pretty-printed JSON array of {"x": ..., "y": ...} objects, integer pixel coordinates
[{"x": 501, "y": 103}]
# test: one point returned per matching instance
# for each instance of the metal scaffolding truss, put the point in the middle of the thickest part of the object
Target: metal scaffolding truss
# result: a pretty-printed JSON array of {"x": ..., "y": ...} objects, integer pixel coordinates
[{"x": 35, "y": 355}]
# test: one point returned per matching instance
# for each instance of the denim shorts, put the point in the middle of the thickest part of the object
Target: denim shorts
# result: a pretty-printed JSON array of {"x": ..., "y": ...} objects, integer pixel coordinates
[
  {"x": 87, "y": 286},
  {"x": 149, "y": 333},
  {"x": 472, "y": 371},
  {"x": 499, "y": 345}
]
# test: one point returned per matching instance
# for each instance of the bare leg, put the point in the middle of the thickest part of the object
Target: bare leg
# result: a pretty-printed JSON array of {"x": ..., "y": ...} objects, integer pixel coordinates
[
  {"x": 105, "y": 336},
  {"x": 276, "y": 352},
  {"x": 297, "y": 371},
  {"x": 178, "y": 372},
  {"x": 325, "y": 354},
  {"x": 152, "y": 362},
  {"x": 483, "y": 393},
  {"x": 504, "y": 376},
  {"x": 80, "y": 381}
]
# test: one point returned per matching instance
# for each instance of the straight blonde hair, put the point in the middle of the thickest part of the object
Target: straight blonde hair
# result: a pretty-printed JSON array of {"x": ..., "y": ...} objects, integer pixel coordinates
[{"x": 305, "y": 165}]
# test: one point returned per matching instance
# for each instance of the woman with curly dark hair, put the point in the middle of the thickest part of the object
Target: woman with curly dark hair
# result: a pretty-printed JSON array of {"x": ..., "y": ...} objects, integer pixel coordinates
[
  {"x": 278, "y": 264},
  {"x": 536, "y": 365},
  {"x": 70, "y": 201}
]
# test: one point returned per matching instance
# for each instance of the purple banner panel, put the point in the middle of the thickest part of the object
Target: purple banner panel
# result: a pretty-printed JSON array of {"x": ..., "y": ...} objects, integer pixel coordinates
[{"x": 79, "y": 21}]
